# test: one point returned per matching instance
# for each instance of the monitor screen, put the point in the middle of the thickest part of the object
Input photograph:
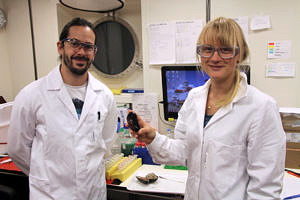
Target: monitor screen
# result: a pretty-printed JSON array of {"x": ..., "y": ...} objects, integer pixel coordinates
[{"x": 177, "y": 81}]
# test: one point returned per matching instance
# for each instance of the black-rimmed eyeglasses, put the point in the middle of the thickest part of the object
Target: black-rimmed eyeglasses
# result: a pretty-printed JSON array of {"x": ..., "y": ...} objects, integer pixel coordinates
[
  {"x": 207, "y": 51},
  {"x": 76, "y": 44}
]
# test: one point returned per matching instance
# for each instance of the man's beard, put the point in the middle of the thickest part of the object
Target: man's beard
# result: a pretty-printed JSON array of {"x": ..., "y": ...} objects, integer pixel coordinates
[{"x": 74, "y": 70}]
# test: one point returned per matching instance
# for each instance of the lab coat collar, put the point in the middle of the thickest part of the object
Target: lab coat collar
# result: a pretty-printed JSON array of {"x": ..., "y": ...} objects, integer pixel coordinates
[
  {"x": 242, "y": 93},
  {"x": 54, "y": 79},
  {"x": 55, "y": 83}
]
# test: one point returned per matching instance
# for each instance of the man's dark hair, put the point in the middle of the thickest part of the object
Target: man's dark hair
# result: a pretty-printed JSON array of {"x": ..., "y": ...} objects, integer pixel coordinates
[{"x": 75, "y": 22}]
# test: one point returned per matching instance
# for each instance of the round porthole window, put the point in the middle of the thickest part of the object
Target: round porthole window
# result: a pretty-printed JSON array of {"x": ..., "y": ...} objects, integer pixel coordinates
[
  {"x": 118, "y": 48},
  {"x": 2, "y": 18}
]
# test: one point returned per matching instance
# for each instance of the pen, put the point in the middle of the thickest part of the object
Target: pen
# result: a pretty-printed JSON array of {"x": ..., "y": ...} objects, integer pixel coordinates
[
  {"x": 292, "y": 173},
  {"x": 171, "y": 179},
  {"x": 292, "y": 197},
  {"x": 98, "y": 115}
]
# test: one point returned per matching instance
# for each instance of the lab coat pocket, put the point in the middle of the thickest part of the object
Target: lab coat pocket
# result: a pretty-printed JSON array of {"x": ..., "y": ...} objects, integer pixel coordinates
[
  {"x": 223, "y": 163},
  {"x": 39, "y": 188},
  {"x": 95, "y": 136},
  {"x": 95, "y": 143}
]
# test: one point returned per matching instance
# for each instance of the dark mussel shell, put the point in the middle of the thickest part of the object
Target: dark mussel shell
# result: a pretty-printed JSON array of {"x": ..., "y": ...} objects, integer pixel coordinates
[
  {"x": 142, "y": 179},
  {"x": 149, "y": 178}
]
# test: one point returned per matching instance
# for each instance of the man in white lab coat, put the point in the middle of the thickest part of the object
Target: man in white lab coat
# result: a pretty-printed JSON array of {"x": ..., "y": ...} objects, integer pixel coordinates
[{"x": 62, "y": 124}]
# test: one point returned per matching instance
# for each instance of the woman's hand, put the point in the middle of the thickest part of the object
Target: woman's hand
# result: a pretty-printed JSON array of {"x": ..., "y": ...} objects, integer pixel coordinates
[{"x": 146, "y": 133}]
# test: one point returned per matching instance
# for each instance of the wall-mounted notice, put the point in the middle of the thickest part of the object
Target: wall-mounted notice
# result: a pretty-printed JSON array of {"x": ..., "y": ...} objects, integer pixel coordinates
[
  {"x": 145, "y": 105},
  {"x": 187, "y": 33},
  {"x": 174, "y": 42},
  {"x": 243, "y": 22},
  {"x": 260, "y": 22},
  {"x": 279, "y": 49},
  {"x": 162, "y": 43},
  {"x": 280, "y": 70}
]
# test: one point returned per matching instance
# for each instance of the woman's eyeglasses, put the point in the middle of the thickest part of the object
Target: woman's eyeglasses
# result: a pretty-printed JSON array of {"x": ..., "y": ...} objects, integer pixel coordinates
[
  {"x": 207, "y": 51},
  {"x": 76, "y": 44}
]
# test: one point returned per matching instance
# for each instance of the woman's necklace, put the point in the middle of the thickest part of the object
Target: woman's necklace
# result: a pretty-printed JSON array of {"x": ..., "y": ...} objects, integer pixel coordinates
[{"x": 212, "y": 106}]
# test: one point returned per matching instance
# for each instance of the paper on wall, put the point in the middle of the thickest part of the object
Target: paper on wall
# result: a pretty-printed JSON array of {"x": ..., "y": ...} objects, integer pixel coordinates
[
  {"x": 187, "y": 33},
  {"x": 145, "y": 105},
  {"x": 280, "y": 70},
  {"x": 161, "y": 43},
  {"x": 243, "y": 22},
  {"x": 260, "y": 22},
  {"x": 174, "y": 42},
  {"x": 279, "y": 49}
]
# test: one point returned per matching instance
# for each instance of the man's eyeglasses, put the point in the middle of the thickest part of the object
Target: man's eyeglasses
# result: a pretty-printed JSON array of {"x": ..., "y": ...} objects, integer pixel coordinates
[
  {"x": 76, "y": 44},
  {"x": 207, "y": 51}
]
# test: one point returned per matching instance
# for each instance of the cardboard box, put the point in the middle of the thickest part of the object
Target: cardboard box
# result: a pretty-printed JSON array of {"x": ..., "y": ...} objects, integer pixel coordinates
[
  {"x": 292, "y": 155},
  {"x": 291, "y": 124},
  {"x": 290, "y": 119}
]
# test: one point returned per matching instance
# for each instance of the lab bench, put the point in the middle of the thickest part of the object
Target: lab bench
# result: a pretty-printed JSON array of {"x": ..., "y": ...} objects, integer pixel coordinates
[
  {"x": 126, "y": 191},
  {"x": 17, "y": 181}
]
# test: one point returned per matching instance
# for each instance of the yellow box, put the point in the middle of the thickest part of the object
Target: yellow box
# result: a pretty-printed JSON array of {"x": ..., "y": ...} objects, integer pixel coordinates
[
  {"x": 125, "y": 173},
  {"x": 110, "y": 171}
]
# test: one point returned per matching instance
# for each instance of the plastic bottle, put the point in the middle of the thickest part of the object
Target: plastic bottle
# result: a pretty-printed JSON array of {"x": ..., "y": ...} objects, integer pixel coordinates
[
  {"x": 127, "y": 142},
  {"x": 170, "y": 134},
  {"x": 116, "y": 146}
]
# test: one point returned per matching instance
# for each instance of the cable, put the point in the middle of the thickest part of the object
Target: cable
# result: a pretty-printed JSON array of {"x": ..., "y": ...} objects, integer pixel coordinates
[
  {"x": 97, "y": 11},
  {"x": 32, "y": 41}
]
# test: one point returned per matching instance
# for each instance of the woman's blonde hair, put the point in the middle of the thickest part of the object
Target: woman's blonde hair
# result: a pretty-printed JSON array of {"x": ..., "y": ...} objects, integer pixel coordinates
[{"x": 228, "y": 33}]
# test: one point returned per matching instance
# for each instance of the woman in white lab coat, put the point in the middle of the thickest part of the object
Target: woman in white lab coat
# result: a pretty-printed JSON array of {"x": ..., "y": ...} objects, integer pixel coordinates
[{"x": 229, "y": 134}]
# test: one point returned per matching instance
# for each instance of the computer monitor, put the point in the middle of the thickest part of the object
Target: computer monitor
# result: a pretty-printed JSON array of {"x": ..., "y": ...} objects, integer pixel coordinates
[{"x": 177, "y": 81}]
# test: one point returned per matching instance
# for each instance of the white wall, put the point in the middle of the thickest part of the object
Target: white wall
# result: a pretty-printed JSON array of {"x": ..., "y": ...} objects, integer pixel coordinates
[
  {"x": 5, "y": 74},
  {"x": 285, "y": 17},
  {"x": 18, "y": 45},
  {"x": 45, "y": 26}
]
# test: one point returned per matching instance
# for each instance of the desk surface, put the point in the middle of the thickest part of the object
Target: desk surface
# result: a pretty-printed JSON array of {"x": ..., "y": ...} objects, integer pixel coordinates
[
  {"x": 169, "y": 181},
  {"x": 291, "y": 184}
]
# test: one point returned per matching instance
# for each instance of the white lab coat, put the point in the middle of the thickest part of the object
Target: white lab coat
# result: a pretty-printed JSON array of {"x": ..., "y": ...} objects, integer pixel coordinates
[
  {"x": 239, "y": 155},
  {"x": 62, "y": 155}
]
